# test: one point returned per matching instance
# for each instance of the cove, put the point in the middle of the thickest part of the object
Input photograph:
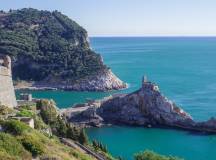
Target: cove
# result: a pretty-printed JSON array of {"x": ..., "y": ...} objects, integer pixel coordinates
[
  {"x": 185, "y": 70},
  {"x": 125, "y": 141}
]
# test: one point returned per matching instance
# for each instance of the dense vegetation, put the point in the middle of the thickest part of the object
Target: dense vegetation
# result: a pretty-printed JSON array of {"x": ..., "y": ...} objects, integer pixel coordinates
[
  {"x": 46, "y": 45},
  {"x": 25, "y": 143},
  {"x": 19, "y": 141},
  {"x": 149, "y": 155},
  {"x": 59, "y": 127},
  {"x": 11, "y": 148}
]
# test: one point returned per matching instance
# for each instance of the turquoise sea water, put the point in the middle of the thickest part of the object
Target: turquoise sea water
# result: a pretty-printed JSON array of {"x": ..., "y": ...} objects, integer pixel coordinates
[{"x": 185, "y": 70}]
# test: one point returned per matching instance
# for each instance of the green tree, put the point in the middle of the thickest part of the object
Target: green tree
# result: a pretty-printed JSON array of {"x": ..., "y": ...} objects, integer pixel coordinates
[
  {"x": 61, "y": 127},
  {"x": 32, "y": 146},
  {"x": 73, "y": 132},
  {"x": 47, "y": 45},
  {"x": 48, "y": 111},
  {"x": 149, "y": 155},
  {"x": 99, "y": 146},
  {"x": 83, "y": 138}
]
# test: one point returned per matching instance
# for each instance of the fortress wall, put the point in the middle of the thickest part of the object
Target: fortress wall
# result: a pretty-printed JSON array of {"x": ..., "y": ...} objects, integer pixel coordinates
[
  {"x": 7, "y": 93},
  {"x": 4, "y": 71}
]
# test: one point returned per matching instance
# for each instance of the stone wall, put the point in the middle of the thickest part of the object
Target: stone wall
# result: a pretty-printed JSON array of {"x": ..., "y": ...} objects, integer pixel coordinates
[{"x": 7, "y": 93}]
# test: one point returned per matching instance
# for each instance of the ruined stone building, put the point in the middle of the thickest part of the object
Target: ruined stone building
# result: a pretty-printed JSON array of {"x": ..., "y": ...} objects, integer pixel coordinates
[{"x": 7, "y": 93}]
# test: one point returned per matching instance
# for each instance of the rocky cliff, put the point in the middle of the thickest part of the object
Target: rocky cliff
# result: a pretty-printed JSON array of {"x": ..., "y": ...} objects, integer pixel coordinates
[
  {"x": 51, "y": 50},
  {"x": 144, "y": 107},
  {"x": 147, "y": 106},
  {"x": 103, "y": 81}
]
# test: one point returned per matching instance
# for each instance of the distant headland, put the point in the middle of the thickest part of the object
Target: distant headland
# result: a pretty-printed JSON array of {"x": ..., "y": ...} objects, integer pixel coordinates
[{"x": 51, "y": 51}]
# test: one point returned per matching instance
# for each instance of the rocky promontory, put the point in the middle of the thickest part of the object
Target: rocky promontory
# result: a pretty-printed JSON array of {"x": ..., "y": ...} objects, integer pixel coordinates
[
  {"x": 145, "y": 107},
  {"x": 51, "y": 51}
]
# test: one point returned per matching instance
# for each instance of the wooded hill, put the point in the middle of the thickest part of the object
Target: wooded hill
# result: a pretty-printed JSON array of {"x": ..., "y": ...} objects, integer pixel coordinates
[{"x": 46, "y": 44}]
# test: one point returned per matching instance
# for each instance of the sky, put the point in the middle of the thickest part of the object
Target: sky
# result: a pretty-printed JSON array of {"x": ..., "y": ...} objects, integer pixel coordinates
[{"x": 132, "y": 17}]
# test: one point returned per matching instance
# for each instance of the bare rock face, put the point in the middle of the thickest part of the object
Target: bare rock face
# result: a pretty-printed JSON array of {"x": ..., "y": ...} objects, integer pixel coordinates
[
  {"x": 83, "y": 115},
  {"x": 143, "y": 107},
  {"x": 103, "y": 81}
]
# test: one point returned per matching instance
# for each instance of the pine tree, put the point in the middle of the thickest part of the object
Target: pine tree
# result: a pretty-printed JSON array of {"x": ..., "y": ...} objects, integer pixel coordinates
[
  {"x": 61, "y": 127},
  {"x": 95, "y": 145},
  {"x": 83, "y": 138}
]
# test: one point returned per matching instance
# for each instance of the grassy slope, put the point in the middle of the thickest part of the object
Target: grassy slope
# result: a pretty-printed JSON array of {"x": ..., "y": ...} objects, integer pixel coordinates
[
  {"x": 11, "y": 147},
  {"x": 19, "y": 141}
]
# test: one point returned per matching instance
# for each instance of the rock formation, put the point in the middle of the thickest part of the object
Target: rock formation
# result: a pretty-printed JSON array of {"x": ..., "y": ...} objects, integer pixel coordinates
[
  {"x": 7, "y": 94},
  {"x": 144, "y": 107},
  {"x": 103, "y": 81}
]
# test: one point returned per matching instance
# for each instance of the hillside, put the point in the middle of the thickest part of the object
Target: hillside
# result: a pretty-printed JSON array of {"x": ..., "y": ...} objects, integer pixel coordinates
[
  {"x": 52, "y": 50},
  {"x": 50, "y": 137},
  {"x": 47, "y": 137}
]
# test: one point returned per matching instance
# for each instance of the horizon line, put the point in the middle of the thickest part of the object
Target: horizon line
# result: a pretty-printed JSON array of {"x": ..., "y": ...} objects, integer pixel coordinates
[{"x": 153, "y": 36}]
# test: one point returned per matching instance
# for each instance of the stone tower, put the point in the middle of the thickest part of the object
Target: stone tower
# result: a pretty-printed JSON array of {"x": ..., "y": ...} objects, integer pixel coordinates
[
  {"x": 144, "y": 80},
  {"x": 7, "y": 93}
]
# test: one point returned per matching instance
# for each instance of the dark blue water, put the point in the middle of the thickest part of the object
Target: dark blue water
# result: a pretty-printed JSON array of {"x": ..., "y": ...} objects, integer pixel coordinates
[{"x": 185, "y": 70}]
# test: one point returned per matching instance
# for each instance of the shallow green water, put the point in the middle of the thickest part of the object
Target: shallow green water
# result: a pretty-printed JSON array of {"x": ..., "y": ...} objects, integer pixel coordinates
[{"x": 185, "y": 70}]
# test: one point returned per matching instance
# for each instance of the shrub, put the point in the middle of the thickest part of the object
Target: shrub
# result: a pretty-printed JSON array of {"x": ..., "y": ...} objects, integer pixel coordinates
[
  {"x": 25, "y": 113},
  {"x": 49, "y": 157},
  {"x": 38, "y": 123},
  {"x": 4, "y": 110},
  {"x": 149, "y": 155},
  {"x": 99, "y": 146},
  {"x": 28, "y": 107},
  {"x": 48, "y": 111},
  {"x": 15, "y": 127},
  {"x": 10, "y": 148},
  {"x": 34, "y": 142},
  {"x": 79, "y": 156},
  {"x": 33, "y": 146},
  {"x": 5, "y": 156},
  {"x": 59, "y": 127}
]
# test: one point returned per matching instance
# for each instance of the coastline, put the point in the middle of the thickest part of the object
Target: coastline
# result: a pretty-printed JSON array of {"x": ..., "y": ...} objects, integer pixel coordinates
[
  {"x": 47, "y": 88},
  {"x": 146, "y": 107},
  {"x": 102, "y": 82}
]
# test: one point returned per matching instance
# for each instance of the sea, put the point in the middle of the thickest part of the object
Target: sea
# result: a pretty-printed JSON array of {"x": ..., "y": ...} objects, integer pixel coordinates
[{"x": 185, "y": 70}]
